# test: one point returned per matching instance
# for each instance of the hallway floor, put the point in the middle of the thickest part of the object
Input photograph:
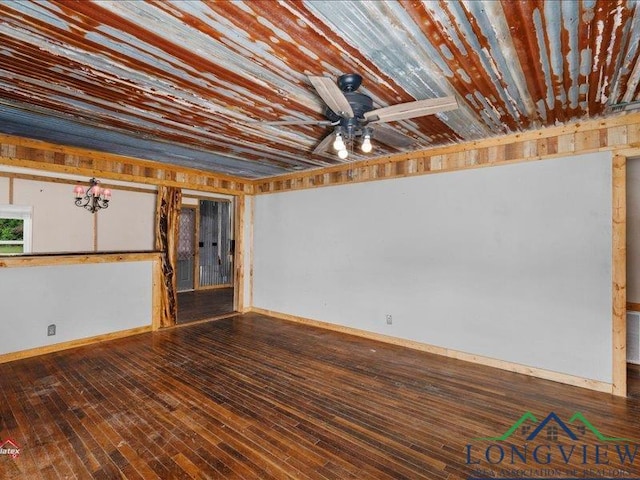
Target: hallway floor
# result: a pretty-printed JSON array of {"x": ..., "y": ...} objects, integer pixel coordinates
[{"x": 202, "y": 304}]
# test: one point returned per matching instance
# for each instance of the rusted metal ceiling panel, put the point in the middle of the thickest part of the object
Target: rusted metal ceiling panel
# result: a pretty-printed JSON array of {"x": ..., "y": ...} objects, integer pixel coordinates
[
  {"x": 185, "y": 79},
  {"x": 37, "y": 126}
]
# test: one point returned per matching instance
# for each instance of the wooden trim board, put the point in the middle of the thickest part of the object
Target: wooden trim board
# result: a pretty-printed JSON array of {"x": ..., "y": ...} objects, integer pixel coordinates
[
  {"x": 95, "y": 231},
  {"x": 240, "y": 206},
  {"x": 156, "y": 294},
  {"x": 447, "y": 352},
  {"x": 72, "y": 182},
  {"x": 250, "y": 247},
  {"x": 634, "y": 307},
  {"x": 214, "y": 287},
  {"x": 56, "y": 347},
  {"x": 205, "y": 320},
  {"x": 74, "y": 259},
  {"x": 619, "y": 276}
]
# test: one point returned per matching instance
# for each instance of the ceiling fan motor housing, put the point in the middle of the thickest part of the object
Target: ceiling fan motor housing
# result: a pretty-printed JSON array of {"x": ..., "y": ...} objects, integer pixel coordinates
[
  {"x": 349, "y": 82},
  {"x": 360, "y": 104}
]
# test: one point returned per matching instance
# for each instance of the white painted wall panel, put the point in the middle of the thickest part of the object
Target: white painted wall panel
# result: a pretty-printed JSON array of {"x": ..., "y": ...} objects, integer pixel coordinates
[
  {"x": 512, "y": 262},
  {"x": 58, "y": 225},
  {"x": 4, "y": 190},
  {"x": 128, "y": 224},
  {"x": 82, "y": 300},
  {"x": 633, "y": 230}
]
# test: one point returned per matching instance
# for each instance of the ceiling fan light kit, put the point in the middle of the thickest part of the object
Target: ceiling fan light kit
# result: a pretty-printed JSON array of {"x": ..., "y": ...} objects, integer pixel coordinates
[{"x": 366, "y": 146}]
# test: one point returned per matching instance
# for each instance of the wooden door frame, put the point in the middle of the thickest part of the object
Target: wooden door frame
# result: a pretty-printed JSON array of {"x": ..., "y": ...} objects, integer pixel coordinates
[
  {"x": 619, "y": 275},
  {"x": 619, "y": 268},
  {"x": 239, "y": 205}
]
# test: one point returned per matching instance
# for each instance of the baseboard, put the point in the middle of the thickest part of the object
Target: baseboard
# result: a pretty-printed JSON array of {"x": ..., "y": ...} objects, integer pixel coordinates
[
  {"x": 446, "y": 352},
  {"x": 634, "y": 307},
  {"x": 56, "y": 347},
  {"x": 206, "y": 320}
]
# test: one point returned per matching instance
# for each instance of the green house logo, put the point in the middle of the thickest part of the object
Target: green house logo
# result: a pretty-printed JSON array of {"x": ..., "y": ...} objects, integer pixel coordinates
[
  {"x": 559, "y": 448},
  {"x": 581, "y": 426}
]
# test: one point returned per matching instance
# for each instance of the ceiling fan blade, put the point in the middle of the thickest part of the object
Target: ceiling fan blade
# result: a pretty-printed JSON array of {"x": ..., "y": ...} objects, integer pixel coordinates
[
  {"x": 390, "y": 137},
  {"x": 332, "y": 95},
  {"x": 404, "y": 111},
  {"x": 324, "y": 145},
  {"x": 289, "y": 122}
]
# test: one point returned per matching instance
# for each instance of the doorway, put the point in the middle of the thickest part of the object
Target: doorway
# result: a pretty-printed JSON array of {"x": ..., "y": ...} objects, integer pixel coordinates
[
  {"x": 633, "y": 274},
  {"x": 205, "y": 260}
]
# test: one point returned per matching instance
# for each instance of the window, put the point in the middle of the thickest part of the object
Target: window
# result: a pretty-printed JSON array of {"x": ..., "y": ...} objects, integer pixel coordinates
[{"x": 15, "y": 229}]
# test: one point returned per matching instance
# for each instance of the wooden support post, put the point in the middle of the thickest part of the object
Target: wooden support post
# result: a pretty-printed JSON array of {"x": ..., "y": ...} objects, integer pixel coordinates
[
  {"x": 252, "y": 220},
  {"x": 238, "y": 256},
  {"x": 619, "y": 277}
]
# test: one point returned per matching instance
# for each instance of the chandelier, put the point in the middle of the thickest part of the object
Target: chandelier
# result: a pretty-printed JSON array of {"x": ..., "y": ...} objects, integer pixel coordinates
[{"x": 93, "y": 198}]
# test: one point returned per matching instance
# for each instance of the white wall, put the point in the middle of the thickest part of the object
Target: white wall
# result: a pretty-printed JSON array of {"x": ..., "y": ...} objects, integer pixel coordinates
[
  {"x": 633, "y": 230},
  {"x": 4, "y": 190},
  {"x": 60, "y": 226},
  {"x": 511, "y": 262},
  {"x": 57, "y": 224},
  {"x": 83, "y": 300},
  {"x": 128, "y": 223}
]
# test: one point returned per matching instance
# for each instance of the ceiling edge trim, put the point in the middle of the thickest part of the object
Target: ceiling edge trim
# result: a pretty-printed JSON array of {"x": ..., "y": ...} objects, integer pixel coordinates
[
  {"x": 24, "y": 152},
  {"x": 620, "y": 133}
]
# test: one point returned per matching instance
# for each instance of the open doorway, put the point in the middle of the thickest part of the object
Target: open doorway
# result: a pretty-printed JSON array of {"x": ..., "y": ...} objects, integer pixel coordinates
[
  {"x": 205, "y": 257},
  {"x": 633, "y": 275}
]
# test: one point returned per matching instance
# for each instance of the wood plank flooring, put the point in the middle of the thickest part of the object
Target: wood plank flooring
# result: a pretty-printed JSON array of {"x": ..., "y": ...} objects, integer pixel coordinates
[
  {"x": 203, "y": 304},
  {"x": 251, "y": 397}
]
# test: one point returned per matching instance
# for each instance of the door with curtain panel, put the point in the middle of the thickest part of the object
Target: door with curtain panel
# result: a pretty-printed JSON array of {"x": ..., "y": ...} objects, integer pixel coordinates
[
  {"x": 205, "y": 246},
  {"x": 186, "y": 263},
  {"x": 216, "y": 244}
]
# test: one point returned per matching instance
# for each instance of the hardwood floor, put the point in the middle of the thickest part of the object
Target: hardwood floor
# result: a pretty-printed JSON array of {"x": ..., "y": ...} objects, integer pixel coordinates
[
  {"x": 250, "y": 397},
  {"x": 203, "y": 304}
]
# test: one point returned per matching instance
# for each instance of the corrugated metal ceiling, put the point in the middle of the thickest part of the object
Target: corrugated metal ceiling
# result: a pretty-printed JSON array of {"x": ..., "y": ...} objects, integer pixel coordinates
[{"x": 179, "y": 82}]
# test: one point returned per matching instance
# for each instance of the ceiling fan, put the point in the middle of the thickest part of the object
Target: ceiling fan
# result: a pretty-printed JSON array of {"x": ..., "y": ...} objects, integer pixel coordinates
[{"x": 352, "y": 115}]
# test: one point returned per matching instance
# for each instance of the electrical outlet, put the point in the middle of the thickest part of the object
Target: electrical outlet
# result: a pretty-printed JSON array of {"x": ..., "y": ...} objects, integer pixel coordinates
[
  {"x": 389, "y": 319},
  {"x": 51, "y": 330}
]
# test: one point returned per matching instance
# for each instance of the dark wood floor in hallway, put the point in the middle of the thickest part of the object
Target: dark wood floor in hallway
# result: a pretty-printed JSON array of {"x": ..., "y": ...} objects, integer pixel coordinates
[
  {"x": 199, "y": 305},
  {"x": 250, "y": 397}
]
